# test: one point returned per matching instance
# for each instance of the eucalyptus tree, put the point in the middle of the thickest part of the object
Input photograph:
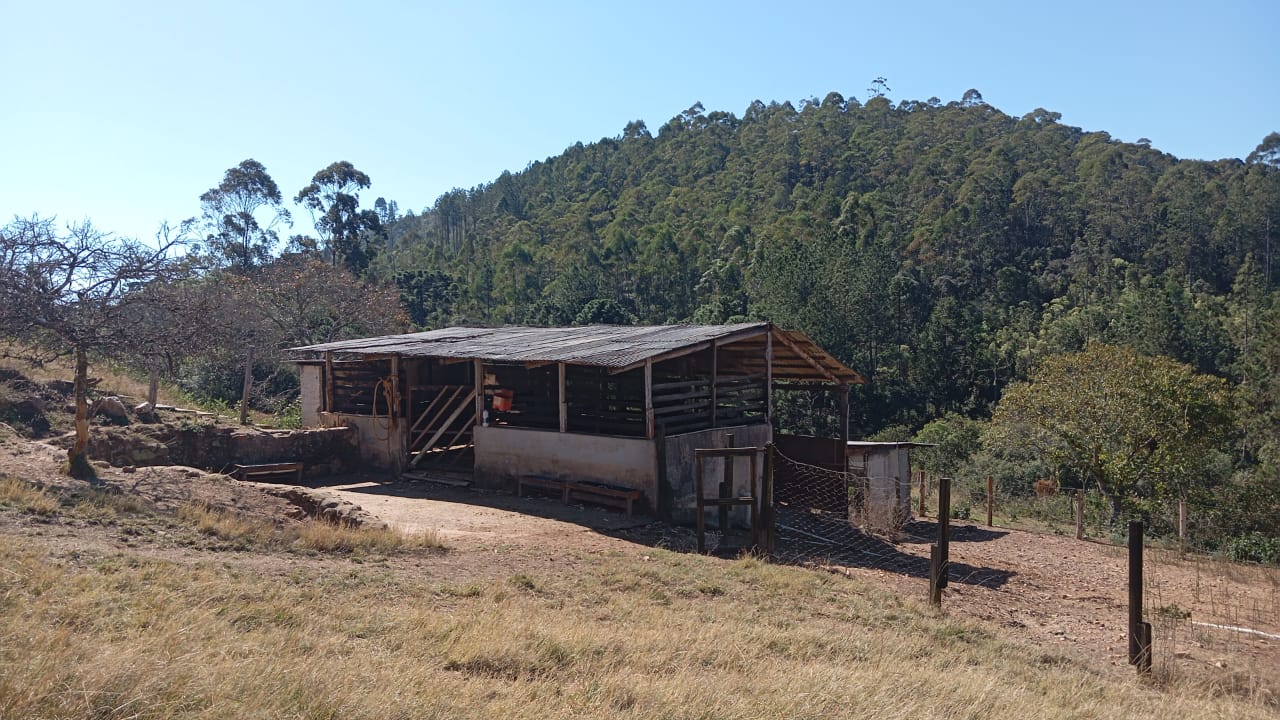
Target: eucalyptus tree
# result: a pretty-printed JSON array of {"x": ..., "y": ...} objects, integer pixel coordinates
[
  {"x": 333, "y": 199},
  {"x": 241, "y": 216}
]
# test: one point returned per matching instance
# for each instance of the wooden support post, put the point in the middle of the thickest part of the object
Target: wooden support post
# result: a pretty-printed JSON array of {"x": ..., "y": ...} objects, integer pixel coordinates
[
  {"x": 936, "y": 575},
  {"x": 1080, "y": 514},
  {"x": 1139, "y": 631},
  {"x": 726, "y": 488},
  {"x": 1182, "y": 527},
  {"x": 768, "y": 516},
  {"x": 701, "y": 520},
  {"x": 477, "y": 366},
  {"x": 768, "y": 376},
  {"x": 248, "y": 387},
  {"x": 328, "y": 382},
  {"x": 153, "y": 387},
  {"x": 991, "y": 498},
  {"x": 395, "y": 411},
  {"x": 844, "y": 427},
  {"x": 650, "y": 426},
  {"x": 715, "y": 399},
  {"x": 564, "y": 397},
  {"x": 944, "y": 528},
  {"x": 923, "y": 492}
]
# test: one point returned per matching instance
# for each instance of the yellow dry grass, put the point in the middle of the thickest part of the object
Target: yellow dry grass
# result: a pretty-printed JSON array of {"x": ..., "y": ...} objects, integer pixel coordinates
[
  {"x": 649, "y": 634},
  {"x": 310, "y": 535}
]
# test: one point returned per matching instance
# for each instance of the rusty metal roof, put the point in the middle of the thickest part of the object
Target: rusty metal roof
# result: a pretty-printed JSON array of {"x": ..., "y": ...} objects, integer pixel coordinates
[{"x": 608, "y": 346}]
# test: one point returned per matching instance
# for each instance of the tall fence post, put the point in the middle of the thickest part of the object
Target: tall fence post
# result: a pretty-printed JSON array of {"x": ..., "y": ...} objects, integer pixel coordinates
[
  {"x": 939, "y": 553},
  {"x": 768, "y": 513},
  {"x": 726, "y": 489},
  {"x": 1182, "y": 528},
  {"x": 922, "y": 493},
  {"x": 1080, "y": 514},
  {"x": 1139, "y": 631},
  {"x": 991, "y": 498},
  {"x": 248, "y": 387}
]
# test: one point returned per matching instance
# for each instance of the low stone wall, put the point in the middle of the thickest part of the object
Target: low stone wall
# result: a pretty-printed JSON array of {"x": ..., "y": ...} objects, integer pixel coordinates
[{"x": 323, "y": 451}]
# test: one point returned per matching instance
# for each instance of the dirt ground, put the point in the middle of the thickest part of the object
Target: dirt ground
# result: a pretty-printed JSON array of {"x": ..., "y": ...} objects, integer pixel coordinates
[{"x": 1067, "y": 595}]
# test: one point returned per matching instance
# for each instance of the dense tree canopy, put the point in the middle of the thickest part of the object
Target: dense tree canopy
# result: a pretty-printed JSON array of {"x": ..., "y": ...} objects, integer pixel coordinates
[{"x": 1133, "y": 426}]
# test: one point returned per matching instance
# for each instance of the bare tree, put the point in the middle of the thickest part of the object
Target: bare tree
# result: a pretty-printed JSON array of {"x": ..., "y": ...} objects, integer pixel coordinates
[{"x": 79, "y": 291}]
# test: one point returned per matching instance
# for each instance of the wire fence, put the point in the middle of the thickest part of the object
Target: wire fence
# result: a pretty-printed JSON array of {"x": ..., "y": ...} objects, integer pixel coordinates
[
  {"x": 1214, "y": 620},
  {"x": 1214, "y": 617}
]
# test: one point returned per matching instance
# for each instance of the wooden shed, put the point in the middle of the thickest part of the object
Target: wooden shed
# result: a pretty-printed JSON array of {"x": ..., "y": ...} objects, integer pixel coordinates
[{"x": 620, "y": 405}]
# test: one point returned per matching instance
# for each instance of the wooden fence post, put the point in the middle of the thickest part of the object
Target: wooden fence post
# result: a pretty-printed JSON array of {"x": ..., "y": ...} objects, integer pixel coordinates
[
  {"x": 922, "y": 494},
  {"x": 939, "y": 552},
  {"x": 991, "y": 498},
  {"x": 1080, "y": 514},
  {"x": 768, "y": 517},
  {"x": 726, "y": 490},
  {"x": 248, "y": 387},
  {"x": 1182, "y": 528},
  {"x": 1139, "y": 631}
]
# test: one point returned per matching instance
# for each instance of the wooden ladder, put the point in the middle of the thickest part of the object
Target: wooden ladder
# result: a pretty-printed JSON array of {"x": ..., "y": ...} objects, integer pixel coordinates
[{"x": 439, "y": 417}]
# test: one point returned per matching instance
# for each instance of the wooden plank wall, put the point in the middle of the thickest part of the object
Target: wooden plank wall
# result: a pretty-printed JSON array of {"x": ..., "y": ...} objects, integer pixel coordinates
[{"x": 354, "y": 384}]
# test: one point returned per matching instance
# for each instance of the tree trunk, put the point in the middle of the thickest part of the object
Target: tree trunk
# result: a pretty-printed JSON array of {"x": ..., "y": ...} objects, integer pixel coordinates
[{"x": 77, "y": 461}]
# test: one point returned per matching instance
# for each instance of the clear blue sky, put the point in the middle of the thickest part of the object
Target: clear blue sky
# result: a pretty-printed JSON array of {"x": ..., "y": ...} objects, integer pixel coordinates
[{"x": 125, "y": 112}]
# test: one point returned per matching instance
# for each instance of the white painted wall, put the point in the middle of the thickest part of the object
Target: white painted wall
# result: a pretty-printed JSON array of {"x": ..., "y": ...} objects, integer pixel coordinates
[
  {"x": 505, "y": 453},
  {"x": 312, "y": 381}
]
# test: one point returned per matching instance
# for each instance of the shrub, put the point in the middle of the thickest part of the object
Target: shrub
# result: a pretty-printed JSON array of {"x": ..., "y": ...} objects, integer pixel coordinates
[{"x": 1254, "y": 547}]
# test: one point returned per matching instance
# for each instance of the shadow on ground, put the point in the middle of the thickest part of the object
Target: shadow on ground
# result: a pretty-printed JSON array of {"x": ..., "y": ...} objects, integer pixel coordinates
[{"x": 802, "y": 539}]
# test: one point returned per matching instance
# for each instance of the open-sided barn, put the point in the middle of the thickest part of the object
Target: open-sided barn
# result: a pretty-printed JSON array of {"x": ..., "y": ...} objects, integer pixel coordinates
[{"x": 619, "y": 405}]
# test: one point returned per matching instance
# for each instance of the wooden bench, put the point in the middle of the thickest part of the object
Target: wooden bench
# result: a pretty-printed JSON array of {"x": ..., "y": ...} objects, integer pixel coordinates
[
  {"x": 543, "y": 482},
  {"x": 268, "y": 470},
  {"x": 599, "y": 493},
  {"x": 611, "y": 495}
]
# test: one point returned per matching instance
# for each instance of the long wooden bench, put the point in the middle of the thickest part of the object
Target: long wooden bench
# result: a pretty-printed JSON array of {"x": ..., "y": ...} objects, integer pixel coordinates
[
  {"x": 598, "y": 493},
  {"x": 268, "y": 471},
  {"x": 611, "y": 495},
  {"x": 544, "y": 483}
]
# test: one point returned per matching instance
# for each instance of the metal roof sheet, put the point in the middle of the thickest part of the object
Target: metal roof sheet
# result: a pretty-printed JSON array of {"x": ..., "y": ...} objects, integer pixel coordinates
[
  {"x": 598, "y": 345},
  {"x": 609, "y": 346}
]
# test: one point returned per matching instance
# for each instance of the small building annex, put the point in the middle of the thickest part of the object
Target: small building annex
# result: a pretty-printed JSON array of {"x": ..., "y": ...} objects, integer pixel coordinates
[{"x": 622, "y": 405}]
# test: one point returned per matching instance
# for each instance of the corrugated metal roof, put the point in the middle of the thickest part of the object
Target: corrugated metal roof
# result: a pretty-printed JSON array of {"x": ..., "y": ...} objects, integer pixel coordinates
[
  {"x": 598, "y": 345},
  {"x": 609, "y": 346}
]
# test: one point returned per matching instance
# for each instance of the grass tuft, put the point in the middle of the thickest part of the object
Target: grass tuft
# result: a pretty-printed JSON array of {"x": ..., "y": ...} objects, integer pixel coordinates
[{"x": 28, "y": 498}]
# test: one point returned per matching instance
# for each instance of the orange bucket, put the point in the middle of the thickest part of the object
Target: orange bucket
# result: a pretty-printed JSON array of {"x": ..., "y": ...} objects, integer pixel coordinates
[{"x": 502, "y": 400}]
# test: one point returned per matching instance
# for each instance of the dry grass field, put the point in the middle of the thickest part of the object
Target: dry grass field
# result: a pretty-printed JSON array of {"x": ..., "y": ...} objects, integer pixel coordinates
[
  {"x": 109, "y": 609},
  {"x": 172, "y": 593}
]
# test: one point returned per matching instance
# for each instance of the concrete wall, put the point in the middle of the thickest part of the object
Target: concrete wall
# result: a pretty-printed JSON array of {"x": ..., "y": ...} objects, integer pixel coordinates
[
  {"x": 678, "y": 502},
  {"x": 381, "y": 446},
  {"x": 312, "y": 382},
  {"x": 505, "y": 453}
]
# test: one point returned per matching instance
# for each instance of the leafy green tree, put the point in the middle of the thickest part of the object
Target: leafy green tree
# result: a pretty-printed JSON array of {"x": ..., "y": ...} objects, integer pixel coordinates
[
  {"x": 1136, "y": 427},
  {"x": 333, "y": 198},
  {"x": 240, "y": 216}
]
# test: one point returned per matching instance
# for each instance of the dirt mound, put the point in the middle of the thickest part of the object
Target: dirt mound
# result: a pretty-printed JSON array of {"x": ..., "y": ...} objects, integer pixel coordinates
[{"x": 29, "y": 408}]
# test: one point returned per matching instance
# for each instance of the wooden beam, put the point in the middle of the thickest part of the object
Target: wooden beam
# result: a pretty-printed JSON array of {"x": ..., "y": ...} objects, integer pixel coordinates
[
  {"x": 803, "y": 355},
  {"x": 669, "y": 355},
  {"x": 649, "y": 425},
  {"x": 477, "y": 367},
  {"x": 844, "y": 427},
  {"x": 541, "y": 363},
  {"x": 394, "y": 410},
  {"x": 328, "y": 382},
  {"x": 768, "y": 378},
  {"x": 715, "y": 350},
  {"x": 564, "y": 398}
]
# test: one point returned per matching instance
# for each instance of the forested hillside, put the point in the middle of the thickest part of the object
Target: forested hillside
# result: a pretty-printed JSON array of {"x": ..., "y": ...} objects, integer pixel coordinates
[
  {"x": 941, "y": 249},
  {"x": 1040, "y": 300}
]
